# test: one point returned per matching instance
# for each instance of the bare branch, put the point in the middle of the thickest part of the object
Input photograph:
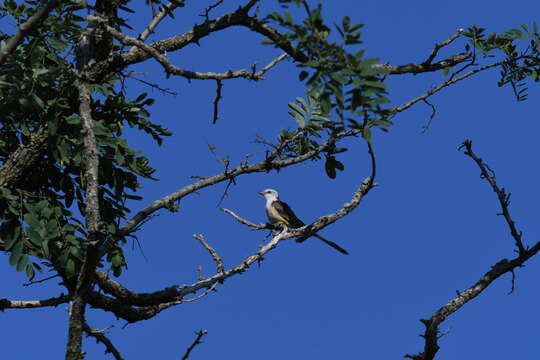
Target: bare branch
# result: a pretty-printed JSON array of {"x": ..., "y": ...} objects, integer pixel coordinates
[
  {"x": 158, "y": 301},
  {"x": 502, "y": 267},
  {"x": 450, "y": 81},
  {"x": 174, "y": 70},
  {"x": 168, "y": 8},
  {"x": 247, "y": 222},
  {"x": 27, "y": 304},
  {"x": 99, "y": 335},
  {"x": 504, "y": 199},
  {"x": 26, "y": 27},
  {"x": 431, "y": 334},
  {"x": 440, "y": 45},
  {"x": 197, "y": 341},
  {"x": 219, "y": 86},
  {"x": 212, "y": 252},
  {"x": 117, "y": 62}
]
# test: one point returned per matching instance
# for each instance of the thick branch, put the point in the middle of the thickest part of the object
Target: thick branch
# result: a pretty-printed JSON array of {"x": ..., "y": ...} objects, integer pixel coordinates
[
  {"x": 23, "y": 158},
  {"x": 159, "y": 300},
  {"x": 117, "y": 62},
  {"x": 26, "y": 304},
  {"x": 26, "y": 27}
]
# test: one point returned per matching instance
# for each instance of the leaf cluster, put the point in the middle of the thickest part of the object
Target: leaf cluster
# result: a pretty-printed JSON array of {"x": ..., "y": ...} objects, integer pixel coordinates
[
  {"x": 41, "y": 216},
  {"x": 519, "y": 63}
]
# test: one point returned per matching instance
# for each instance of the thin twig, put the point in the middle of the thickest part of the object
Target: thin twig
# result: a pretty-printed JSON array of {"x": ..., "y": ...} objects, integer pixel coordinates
[
  {"x": 210, "y": 8},
  {"x": 40, "y": 280},
  {"x": 152, "y": 85},
  {"x": 99, "y": 335},
  {"x": 426, "y": 127},
  {"x": 212, "y": 252},
  {"x": 219, "y": 86},
  {"x": 197, "y": 341},
  {"x": 246, "y": 222},
  {"x": 440, "y": 45}
]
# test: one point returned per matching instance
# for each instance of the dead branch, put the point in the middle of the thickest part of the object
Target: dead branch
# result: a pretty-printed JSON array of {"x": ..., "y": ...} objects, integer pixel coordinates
[
  {"x": 431, "y": 334},
  {"x": 504, "y": 199}
]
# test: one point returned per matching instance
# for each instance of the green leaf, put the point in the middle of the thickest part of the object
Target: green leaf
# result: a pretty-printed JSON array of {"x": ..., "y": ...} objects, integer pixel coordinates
[
  {"x": 366, "y": 133},
  {"x": 16, "y": 253},
  {"x": 30, "y": 272},
  {"x": 70, "y": 267},
  {"x": 23, "y": 261}
]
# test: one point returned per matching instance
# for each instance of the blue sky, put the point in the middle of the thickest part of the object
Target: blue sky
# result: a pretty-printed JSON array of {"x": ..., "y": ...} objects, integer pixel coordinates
[{"x": 428, "y": 230}]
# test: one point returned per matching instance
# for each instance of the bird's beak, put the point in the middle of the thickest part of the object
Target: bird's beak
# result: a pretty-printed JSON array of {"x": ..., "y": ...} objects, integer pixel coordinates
[{"x": 260, "y": 193}]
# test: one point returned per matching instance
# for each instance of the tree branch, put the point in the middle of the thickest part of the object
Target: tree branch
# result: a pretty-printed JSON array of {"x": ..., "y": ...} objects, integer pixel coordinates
[
  {"x": 149, "y": 30},
  {"x": 23, "y": 158},
  {"x": 26, "y": 27},
  {"x": 431, "y": 335},
  {"x": 212, "y": 252},
  {"x": 197, "y": 341},
  {"x": 504, "y": 199},
  {"x": 27, "y": 304},
  {"x": 442, "y": 44},
  {"x": 174, "y": 70},
  {"x": 424, "y": 67},
  {"x": 99, "y": 335},
  {"x": 246, "y": 222}
]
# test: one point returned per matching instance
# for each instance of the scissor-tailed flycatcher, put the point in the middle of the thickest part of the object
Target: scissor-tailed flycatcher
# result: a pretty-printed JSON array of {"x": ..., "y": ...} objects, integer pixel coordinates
[{"x": 278, "y": 211}]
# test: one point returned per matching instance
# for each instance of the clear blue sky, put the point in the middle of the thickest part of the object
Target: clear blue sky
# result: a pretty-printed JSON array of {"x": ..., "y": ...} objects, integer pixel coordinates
[{"x": 428, "y": 230}]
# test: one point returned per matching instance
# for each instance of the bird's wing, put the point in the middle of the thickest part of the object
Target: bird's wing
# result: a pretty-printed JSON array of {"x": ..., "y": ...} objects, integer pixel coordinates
[{"x": 288, "y": 217}]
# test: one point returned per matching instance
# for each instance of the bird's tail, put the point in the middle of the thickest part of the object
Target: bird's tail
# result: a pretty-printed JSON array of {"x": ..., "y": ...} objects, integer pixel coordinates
[{"x": 332, "y": 244}]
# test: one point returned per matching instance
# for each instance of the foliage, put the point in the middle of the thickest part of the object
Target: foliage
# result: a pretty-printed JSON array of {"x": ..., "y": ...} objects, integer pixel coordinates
[
  {"x": 43, "y": 218},
  {"x": 519, "y": 64}
]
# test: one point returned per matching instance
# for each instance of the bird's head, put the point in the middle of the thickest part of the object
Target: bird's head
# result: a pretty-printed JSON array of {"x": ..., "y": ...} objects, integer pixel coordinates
[{"x": 270, "y": 194}]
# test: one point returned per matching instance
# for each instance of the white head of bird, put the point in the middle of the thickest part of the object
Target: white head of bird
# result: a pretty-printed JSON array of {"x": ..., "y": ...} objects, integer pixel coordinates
[{"x": 270, "y": 195}]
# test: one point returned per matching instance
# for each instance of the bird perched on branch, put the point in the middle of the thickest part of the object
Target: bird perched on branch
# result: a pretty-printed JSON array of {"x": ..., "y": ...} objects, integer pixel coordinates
[{"x": 279, "y": 212}]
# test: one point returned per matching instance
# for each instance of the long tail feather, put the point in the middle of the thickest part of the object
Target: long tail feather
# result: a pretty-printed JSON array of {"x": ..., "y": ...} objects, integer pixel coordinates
[{"x": 332, "y": 244}]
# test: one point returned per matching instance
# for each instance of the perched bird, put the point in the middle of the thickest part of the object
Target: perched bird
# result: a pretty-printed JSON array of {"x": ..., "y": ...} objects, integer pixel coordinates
[{"x": 278, "y": 211}]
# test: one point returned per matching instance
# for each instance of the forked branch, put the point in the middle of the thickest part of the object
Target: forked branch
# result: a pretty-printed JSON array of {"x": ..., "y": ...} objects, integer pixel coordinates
[{"x": 431, "y": 334}]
